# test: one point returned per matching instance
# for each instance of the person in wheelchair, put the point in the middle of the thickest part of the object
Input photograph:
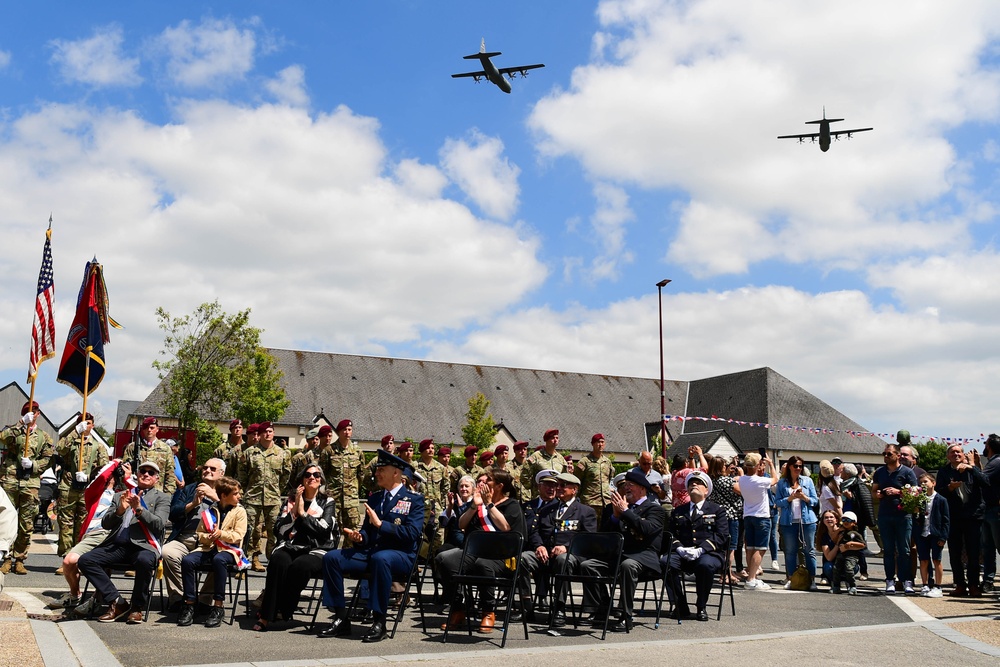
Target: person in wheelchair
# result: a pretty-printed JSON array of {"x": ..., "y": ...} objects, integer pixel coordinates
[{"x": 701, "y": 539}]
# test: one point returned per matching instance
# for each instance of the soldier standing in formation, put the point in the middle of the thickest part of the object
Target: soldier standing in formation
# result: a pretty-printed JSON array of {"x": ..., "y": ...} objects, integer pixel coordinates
[
  {"x": 264, "y": 471},
  {"x": 151, "y": 448},
  {"x": 303, "y": 458},
  {"x": 435, "y": 489},
  {"x": 468, "y": 467},
  {"x": 515, "y": 466},
  {"x": 544, "y": 459},
  {"x": 344, "y": 467},
  {"x": 595, "y": 471},
  {"x": 500, "y": 458},
  {"x": 232, "y": 444},
  {"x": 444, "y": 458},
  {"x": 370, "y": 486},
  {"x": 72, "y": 510},
  {"x": 26, "y": 454}
]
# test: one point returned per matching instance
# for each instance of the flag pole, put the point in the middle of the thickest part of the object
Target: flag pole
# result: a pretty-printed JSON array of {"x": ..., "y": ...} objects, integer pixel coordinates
[
  {"x": 83, "y": 415},
  {"x": 27, "y": 431}
]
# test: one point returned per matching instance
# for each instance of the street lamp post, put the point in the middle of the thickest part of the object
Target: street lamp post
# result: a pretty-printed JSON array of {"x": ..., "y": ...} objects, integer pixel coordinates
[{"x": 663, "y": 392}]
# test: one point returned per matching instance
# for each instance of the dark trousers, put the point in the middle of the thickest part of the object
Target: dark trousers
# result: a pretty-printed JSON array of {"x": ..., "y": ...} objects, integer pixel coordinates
[
  {"x": 705, "y": 570},
  {"x": 288, "y": 573},
  {"x": 93, "y": 562},
  {"x": 965, "y": 536},
  {"x": 219, "y": 561},
  {"x": 380, "y": 566},
  {"x": 628, "y": 580},
  {"x": 450, "y": 563}
]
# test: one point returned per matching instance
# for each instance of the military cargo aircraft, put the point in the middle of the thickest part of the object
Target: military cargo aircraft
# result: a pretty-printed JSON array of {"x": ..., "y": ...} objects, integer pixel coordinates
[
  {"x": 824, "y": 133},
  {"x": 490, "y": 71}
]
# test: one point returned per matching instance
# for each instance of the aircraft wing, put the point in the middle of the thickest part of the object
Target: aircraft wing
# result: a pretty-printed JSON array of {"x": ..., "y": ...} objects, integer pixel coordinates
[
  {"x": 522, "y": 70},
  {"x": 850, "y": 132},
  {"x": 475, "y": 75},
  {"x": 800, "y": 137}
]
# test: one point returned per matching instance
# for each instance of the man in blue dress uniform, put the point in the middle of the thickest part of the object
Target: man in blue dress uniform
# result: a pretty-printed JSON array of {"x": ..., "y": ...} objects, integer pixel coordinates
[{"x": 385, "y": 547}]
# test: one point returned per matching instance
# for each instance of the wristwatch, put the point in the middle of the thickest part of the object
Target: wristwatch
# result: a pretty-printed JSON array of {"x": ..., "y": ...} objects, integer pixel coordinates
[{"x": 490, "y": 506}]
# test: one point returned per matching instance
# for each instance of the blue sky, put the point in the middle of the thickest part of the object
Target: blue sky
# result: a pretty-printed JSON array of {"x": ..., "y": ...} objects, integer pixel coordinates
[{"x": 316, "y": 162}]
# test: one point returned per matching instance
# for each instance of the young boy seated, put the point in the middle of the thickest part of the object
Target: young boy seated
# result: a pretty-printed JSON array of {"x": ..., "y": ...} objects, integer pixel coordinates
[
  {"x": 931, "y": 529},
  {"x": 219, "y": 535},
  {"x": 850, "y": 548}
]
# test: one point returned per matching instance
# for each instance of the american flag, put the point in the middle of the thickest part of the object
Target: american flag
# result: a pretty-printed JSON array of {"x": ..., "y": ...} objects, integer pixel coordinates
[{"x": 43, "y": 331}]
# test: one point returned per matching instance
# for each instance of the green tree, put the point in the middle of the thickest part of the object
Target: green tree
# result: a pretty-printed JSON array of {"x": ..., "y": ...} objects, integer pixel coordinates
[
  {"x": 261, "y": 397},
  {"x": 933, "y": 455},
  {"x": 212, "y": 362},
  {"x": 480, "y": 429}
]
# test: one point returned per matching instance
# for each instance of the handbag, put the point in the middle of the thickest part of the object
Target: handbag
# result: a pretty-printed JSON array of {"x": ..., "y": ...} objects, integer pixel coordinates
[{"x": 802, "y": 578}]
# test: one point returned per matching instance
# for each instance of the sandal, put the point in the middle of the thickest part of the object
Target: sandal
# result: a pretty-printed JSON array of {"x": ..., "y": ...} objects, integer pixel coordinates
[{"x": 260, "y": 626}]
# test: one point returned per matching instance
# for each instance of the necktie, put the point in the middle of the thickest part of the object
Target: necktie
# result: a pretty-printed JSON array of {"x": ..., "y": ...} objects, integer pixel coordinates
[
  {"x": 386, "y": 497},
  {"x": 561, "y": 511}
]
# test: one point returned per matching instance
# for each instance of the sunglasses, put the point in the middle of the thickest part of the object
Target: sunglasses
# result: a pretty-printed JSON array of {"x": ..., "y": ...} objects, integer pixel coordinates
[
  {"x": 797, "y": 466},
  {"x": 886, "y": 453},
  {"x": 314, "y": 475},
  {"x": 148, "y": 471},
  {"x": 211, "y": 468}
]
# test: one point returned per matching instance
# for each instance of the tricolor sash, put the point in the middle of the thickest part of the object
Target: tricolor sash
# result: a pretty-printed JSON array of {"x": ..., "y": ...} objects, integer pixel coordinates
[
  {"x": 484, "y": 519},
  {"x": 92, "y": 494},
  {"x": 210, "y": 521}
]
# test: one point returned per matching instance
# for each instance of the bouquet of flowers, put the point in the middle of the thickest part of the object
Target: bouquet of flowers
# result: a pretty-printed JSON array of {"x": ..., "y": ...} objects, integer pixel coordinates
[{"x": 913, "y": 499}]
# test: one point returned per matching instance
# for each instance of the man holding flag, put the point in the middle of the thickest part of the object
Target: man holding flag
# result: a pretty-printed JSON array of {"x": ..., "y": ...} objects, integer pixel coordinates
[
  {"x": 135, "y": 520},
  {"x": 26, "y": 454}
]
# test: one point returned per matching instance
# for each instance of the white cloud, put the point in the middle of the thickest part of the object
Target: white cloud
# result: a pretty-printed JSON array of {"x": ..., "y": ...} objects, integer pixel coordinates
[
  {"x": 879, "y": 365},
  {"x": 214, "y": 52},
  {"x": 608, "y": 224},
  {"x": 478, "y": 167},
  {"x": 4, "y": 59},
  {"x": 98, "y": 60},
  {"x": 690, "y": 96},
  {"x": 289, "y": 87},
  {"x": 300, "y": 217}
]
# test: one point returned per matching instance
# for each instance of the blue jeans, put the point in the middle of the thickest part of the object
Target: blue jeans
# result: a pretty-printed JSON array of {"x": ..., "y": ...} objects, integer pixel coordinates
[
  {"x": 792, "y": 539},
  {"x": 991, "y": 542},
  {"x": 219, "y": 561},
  {"x": 774, "y": 534},
  {"x": 734, "y": 534},
  {"x": 895, "y": 530}
]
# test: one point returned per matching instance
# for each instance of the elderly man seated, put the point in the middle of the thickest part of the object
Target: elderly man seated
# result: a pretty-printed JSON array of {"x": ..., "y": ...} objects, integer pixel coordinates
[
  {"x": 135, "y": 523},
  {"x": 548, "y": 545},
  {"x": 701, "y": 539}
]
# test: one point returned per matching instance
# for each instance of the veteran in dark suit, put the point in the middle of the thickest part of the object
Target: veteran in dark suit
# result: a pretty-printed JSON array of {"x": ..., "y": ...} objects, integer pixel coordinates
[
  {"x": 637, "y": 514},
  {"x": 701, "y": 540},
  {"x": 548, "y": 544},
  {"x": 385, "y": 547},
  {"x": 135, "y": 520}
]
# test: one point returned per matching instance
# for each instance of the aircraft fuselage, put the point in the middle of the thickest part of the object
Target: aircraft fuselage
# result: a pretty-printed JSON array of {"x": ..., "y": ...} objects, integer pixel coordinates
[
  {"x": 824, "y": 135},
  {"x": 493, "y": 75}
]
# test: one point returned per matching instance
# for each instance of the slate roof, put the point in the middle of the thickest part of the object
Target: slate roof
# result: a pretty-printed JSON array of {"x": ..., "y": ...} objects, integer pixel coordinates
[
  {"x": 422, "y": 399},
  {"x": 12, "y": 398}
]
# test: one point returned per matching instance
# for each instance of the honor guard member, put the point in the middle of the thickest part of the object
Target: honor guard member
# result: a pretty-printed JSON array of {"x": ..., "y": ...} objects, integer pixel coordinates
[
  {"x": 701, "y": 542},
  {"x": 370, "y": 486},
  {"x": 232, "y": 443},
  {"x": 265, "y": 473},
  {"x": 486, "y": 459},
  {"x": 151, "y": 448},
  {"x": 344, "y": 467},
  {"x": 546, "y": 458},
  {"x": 468, "y": 467},
  {"x": 435, "y": 487},
  {"x": 386, "y": 547},
  {"x": 515, "y": 466},
  {"x": 444, "y": 458},
  {"x": 501, "y": 458},
  {"x": 72, "y": 510},
  {"x": 303, "y": 458},
  {"x": 595, "y": 471},
  {"x": 27, "y": 451}
]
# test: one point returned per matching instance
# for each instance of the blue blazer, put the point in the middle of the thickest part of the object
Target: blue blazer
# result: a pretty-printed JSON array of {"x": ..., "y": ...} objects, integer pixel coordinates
[
  {"x": 809, "y": 509},
  {"x": 940, "y": 518},
  {"x": 402, "y": 523}
]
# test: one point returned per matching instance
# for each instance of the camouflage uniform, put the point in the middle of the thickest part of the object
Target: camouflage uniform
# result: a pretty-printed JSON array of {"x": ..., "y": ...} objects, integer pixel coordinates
[
  {"x": 461, "y": 470},
  {"x": 595, "y": 481},
  {"x": 522, "y": 494},
  {"x": 23, "y": 493},
  {"x": 72, "y": 509},
  {"x": 263, "y": 476},
  {"x": 300, "y": 461},
  {"x": 160, "y": 454},
  {"x": 345, "y": 469},
  {"x": 435, "y": 489},
  {"x": 537, "y": 462},
  {"x": 225, "y": 452},
  {"x": 235, "y": 458}
]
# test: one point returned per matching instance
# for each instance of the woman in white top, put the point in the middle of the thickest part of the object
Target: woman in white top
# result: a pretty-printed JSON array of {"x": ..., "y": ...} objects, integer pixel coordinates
[{"x": 830, "y": 497}]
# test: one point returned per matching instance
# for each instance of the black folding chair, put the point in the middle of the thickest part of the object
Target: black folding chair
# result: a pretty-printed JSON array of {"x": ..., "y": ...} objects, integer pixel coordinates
[
  {"x": 505, "y": 546},
  {"x": 725, "y": 587},
  {"x": 604, "y": 547},
  {"x": 117, "y": 571},
  {"x": 232, "y": 597}
]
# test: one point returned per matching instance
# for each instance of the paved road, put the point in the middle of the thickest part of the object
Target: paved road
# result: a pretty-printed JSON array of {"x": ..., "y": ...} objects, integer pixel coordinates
[{"x": 892, "y": 630}]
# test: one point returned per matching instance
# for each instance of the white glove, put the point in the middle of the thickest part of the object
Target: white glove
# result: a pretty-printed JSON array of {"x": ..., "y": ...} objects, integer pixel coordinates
[
  {"x": 28, "y": 418},
  {"x": 80, "y": 428},
  {"x": 696, "y": 553},
  {"x": 27, "y": 464},
  {"x": 81, "y": 476}
]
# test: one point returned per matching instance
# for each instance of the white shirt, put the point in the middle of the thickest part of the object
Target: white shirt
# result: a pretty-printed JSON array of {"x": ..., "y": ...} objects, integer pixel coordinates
[{"x": 754, "y": 489}]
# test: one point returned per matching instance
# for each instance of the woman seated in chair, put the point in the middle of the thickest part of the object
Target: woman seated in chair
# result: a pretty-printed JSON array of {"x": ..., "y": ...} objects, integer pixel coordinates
[
  {"x": 305, "y": 531},
  {"x": 220, "y": 533},
  {"x": 454, "y": 538}
]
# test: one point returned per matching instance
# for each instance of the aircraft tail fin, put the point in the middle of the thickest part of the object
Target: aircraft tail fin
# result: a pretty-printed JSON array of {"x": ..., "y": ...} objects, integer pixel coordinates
[{"x": 483, "y": 53}]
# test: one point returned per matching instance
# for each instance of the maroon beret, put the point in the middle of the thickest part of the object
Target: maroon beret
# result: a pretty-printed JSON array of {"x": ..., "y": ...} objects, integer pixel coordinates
[
  {"x": 486, "y": 456},
  {"x": 342, "y": 424},
  {"x": 235, "y": 422},
  {"x": 500, "y": 449},
  {"x": 253, "y": 428},
  {"x": 263, "y": 426},
  {"x": 471, "y": 450},
  {"x": 551, "y": 432},
  {"x": 405, "y": 447},
  {"x": 386, "y": 439},
  {"x": 569, "y": 458},
  {"x": 424, "y": 444},
  {"x": 520, "y": 445},
  {"x": 325, "y": 429},
  {"x": 596, "y": 437},
  {"x": 148, "y": 421},
  {"x": 444, "y": 450}
]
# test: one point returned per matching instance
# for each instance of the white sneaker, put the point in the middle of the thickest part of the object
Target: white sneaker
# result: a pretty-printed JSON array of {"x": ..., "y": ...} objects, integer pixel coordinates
[
  {"x": 935, "y": 593},
  {"x": 890, "y": 587},
  {"x": 908, "y": 588},
  {"x": 852, "y": 591},
  {"x": 751, "y": 584},
  {"x": 788, "y": 586},
  {"x": 924, "y": 590},
  {"x": 774, "y": 566},
  {"x": 762, "y": 585}
]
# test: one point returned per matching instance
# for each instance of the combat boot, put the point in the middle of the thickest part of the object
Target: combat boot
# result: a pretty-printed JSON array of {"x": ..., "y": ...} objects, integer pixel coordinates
[
  {"x": 5, "y": 568},
  {"x": 256, "y": 566},
  {"x": 19, "y": 567}
]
